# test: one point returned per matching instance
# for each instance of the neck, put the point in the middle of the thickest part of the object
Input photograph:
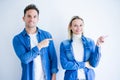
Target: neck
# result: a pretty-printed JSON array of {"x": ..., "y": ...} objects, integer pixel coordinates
[
  {"x": 31, "y": 30},
  {"x": 75, "y": 36}
]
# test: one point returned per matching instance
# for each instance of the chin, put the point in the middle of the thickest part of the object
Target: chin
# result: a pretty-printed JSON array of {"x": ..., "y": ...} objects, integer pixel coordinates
[
  {"x": 78, "y": 33},
  {"x": 32, "y": 26}
]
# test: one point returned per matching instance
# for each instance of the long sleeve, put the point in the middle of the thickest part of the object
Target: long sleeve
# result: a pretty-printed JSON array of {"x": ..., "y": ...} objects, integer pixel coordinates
[
  {"x": 53, "y": 57},
  {"x": 66, "y": 63},
  {"x": 95, "y": 55},
  {"x": 20, "y": 49}
]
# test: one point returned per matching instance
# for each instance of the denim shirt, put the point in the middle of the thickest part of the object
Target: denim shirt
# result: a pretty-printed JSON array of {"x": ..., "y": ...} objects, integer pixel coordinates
[
  {"x": 91, "y": 54},
  {"x": 22, "y": 47}
]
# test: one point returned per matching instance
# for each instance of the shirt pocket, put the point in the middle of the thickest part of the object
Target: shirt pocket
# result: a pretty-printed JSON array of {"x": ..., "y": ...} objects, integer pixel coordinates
[{"x": 69, "y": 54}]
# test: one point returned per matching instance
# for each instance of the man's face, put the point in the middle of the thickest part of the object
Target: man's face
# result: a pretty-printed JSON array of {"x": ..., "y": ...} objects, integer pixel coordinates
[{"x": 31, "y": 18}]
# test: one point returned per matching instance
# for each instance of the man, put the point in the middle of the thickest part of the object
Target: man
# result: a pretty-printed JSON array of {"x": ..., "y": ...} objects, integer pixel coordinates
[{"x": 35, "y": 49}]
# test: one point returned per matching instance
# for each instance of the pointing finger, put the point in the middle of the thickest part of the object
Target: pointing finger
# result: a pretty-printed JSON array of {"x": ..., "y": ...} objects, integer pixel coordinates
[
  {"x": 50, "y": 39},
  {"x": 105, "y": 36}
]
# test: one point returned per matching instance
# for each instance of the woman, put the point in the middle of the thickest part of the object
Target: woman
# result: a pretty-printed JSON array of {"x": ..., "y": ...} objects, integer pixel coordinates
[{"x": 79, "y": 54}]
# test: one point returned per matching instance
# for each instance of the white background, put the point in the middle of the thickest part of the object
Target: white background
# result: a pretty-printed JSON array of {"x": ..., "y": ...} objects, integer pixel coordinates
[{"x": 102, "y": 17}]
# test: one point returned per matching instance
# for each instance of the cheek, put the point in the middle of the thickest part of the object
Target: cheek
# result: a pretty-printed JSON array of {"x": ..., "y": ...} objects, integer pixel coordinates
[
  {"x": 26, "y": 21},
  {"x": 36, "y": 20},
  {"x": 73, "y": 30},
  {"x": 81, "y": 28}
]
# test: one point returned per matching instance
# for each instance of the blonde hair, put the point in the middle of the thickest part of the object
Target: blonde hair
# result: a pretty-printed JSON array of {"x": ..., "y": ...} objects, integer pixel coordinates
[{"x": 70, "y": 24}]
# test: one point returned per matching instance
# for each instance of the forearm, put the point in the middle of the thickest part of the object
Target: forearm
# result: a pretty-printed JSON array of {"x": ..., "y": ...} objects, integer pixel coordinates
[
  {"x": 69, "y": 65},
  {"x": 95, "y": 57},
  {"x": 53, "y": 76},
  {"x": 29, "y": 56}
]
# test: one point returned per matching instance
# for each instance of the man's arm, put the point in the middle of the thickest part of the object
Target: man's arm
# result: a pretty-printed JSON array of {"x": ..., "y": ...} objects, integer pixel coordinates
[
  {"x": 53, "y": 76},
  {"x": 24, "y": 55}
]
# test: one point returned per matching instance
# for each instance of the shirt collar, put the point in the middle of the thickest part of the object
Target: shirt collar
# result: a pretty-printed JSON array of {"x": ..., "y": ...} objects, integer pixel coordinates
[{"x": 24, "y": 32}]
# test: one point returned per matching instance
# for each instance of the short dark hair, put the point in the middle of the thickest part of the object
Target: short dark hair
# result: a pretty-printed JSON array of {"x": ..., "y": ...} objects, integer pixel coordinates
[{"x": 31, "y": 6}]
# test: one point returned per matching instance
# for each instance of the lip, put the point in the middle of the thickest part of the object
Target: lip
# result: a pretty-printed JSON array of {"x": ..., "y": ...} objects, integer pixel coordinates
[
  {"x": 78, "y": 30},
  {"x": 31, "y": 22}
]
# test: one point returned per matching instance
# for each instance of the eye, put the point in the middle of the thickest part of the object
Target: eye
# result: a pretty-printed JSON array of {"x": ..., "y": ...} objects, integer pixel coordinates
[
  {"x": 81, "y": 25},
  {"x": 28, "y": 16},
  {"x": 35, "y": 16},
  {"x": 75, "y": 25}
]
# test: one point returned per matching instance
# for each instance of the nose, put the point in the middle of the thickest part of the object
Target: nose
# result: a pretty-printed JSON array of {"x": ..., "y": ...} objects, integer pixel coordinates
[{"x": 31, "y": 18}]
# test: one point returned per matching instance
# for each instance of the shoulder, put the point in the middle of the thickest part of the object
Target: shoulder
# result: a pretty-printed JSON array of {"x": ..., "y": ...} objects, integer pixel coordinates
[
  {"x": 45, "y": 33},
  {"x": 19, "y": 36},
  {"x": 66, "y": 42},
  {"x": 16, "y": 39},
  {"x": 87, "y": 39}
]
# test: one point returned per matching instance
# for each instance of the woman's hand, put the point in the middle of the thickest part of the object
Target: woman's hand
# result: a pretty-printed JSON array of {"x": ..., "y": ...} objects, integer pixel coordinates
[
  {"x": 87, "y": 64},
  {"x": 101, "y": 40}
]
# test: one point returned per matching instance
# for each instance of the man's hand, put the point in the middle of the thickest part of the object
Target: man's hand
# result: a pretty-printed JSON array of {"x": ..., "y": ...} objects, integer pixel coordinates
[{"x": 44, "y": 43}]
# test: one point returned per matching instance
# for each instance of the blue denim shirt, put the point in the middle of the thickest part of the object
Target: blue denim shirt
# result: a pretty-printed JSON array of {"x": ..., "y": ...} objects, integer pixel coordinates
[
  {"x": 91, "y": 54},
  {"x": 22, "y": 47}
]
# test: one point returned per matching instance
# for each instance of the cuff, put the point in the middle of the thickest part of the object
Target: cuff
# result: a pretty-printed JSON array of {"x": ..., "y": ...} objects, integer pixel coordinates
[
  {"x": 36, "y": 50},
  {"x": 54, "y": 70},
  {"x": 81, "y": 65}
]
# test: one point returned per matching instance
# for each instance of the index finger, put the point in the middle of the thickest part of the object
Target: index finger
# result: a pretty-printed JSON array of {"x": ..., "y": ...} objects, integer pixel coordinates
[
  {"x": 50, "y": 39},
  {"x": 105, "y": 36}
]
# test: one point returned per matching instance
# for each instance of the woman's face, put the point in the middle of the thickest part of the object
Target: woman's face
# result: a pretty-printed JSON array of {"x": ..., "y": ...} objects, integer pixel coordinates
[{"x": 77, "y": 26}]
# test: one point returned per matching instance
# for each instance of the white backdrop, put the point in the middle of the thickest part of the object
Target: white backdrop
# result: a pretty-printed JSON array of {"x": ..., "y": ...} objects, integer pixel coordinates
[{"x": 102, "y": 17}]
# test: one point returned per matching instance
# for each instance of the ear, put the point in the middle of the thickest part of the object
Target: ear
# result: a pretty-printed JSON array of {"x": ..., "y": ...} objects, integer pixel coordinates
[
  {"x": 70, "y": 27},
  {"x": 23, "y": 18}
]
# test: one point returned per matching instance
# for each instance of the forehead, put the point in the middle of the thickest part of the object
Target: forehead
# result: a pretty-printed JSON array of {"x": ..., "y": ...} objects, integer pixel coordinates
[
  {"x": 31, "y": 12},
  {"x": 78, "y": 21}
]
